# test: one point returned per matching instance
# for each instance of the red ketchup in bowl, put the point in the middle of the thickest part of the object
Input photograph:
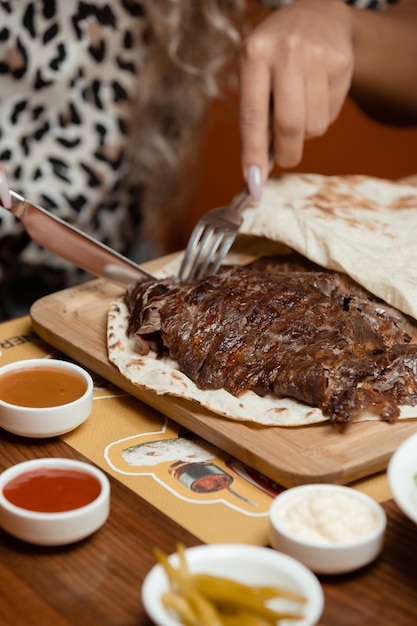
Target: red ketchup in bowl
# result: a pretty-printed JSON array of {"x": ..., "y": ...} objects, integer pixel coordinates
[{"x": 52, "y": 489}]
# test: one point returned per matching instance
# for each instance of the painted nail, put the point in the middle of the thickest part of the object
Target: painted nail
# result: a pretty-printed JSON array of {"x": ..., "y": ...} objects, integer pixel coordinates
[
  {"x": 254, "y": 181},
  {"x": 5, "y": 198}
]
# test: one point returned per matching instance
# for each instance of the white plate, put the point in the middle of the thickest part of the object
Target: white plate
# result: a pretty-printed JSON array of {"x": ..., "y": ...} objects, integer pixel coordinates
[
  {"x": 244, "y": 563},
  {"x": 402, "y": 470}
]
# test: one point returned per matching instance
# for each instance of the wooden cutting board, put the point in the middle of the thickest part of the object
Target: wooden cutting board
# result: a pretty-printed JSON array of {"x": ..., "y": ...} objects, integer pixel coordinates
[{"x": 74, "y": 321}]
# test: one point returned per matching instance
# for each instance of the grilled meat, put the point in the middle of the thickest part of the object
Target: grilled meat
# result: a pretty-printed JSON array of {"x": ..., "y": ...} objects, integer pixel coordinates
[{"x": 287, "y": 327}]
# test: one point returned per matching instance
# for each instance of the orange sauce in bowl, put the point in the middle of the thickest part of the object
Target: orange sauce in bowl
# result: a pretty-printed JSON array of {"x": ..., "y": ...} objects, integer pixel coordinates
[
  {"x": 52, "y": 489},
  {"x": 41, "y": 387}
]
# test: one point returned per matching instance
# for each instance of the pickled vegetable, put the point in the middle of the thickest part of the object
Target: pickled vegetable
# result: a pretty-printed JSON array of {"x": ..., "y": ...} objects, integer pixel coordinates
[{"x": 205, "y": 600}]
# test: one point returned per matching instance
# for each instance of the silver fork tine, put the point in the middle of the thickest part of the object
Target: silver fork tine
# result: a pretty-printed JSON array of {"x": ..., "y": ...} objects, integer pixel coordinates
[
  {"x": 211, "y": 239},
  {"x": 191, "y": 247},
  {"x": 206, "y": 247},
  {"x": 226, "y": 245},
  {"x": 210, "y": 251},
  {"x": 214, "y": 234}
]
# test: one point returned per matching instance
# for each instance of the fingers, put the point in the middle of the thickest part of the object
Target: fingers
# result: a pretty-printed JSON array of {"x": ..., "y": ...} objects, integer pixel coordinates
[
  {"x": 301, "y": 60},
  {"x": 317, "y": 94},
  {"x": 5, "y": 199},
  {"x": 298, "y": 88},
  {"x": 338, "y": 93},
  {"x": 289, "y": 118},
  {"x": 255, "y": 90},
  {"x": 276, "y": 95}
]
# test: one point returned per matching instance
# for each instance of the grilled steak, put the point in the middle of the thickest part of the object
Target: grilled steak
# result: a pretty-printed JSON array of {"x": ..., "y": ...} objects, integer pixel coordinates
[{"x": 291, "y": 328}]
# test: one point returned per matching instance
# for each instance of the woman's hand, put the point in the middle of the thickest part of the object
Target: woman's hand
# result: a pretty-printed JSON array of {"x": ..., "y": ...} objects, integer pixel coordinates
[
  {"x": 296, "y": 71},
  {"x": 5, "y": 199}
]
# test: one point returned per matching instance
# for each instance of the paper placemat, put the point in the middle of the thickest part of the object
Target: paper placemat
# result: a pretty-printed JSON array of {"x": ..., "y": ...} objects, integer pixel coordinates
[{"x": 214, "y": 496}]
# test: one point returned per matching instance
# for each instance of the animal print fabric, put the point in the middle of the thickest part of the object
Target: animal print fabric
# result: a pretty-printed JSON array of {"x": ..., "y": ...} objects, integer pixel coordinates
[{"x": 68, "y": 72}]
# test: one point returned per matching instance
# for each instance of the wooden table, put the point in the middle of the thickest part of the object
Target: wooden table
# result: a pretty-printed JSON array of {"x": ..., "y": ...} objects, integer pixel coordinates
[{"x": 97, "y": 582}]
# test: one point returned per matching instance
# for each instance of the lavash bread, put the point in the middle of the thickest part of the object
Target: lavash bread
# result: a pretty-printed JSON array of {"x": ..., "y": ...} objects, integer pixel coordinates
[{"x": 362, "y": 226}]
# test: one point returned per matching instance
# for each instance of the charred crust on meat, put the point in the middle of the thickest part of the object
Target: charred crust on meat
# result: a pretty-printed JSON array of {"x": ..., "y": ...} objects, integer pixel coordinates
[{"x": 285, "y": 325}]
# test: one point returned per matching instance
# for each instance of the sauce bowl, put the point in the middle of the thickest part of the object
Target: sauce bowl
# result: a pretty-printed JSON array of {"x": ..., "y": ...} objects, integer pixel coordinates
[
  {"x": 53, "y": 501},
  {"x": 332, "y": 529},
  {"x": 44, "y": 397},
  {"x": 247, "y": 564}
]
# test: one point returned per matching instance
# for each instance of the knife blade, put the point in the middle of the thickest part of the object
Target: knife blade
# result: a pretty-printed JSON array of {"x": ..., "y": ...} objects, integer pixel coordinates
[{"x": 70, "y": 243}]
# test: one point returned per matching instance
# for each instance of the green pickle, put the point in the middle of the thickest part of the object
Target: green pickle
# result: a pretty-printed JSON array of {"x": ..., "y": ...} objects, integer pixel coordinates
[{"x": 207, "y": 600}]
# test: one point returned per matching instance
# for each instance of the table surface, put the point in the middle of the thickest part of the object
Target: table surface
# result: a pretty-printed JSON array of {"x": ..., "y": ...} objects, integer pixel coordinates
[{"x": 98, "y": 581}]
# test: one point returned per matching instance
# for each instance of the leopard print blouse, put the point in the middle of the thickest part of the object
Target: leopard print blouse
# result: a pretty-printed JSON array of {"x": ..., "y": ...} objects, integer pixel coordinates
[{"x": 68, "y": 71}]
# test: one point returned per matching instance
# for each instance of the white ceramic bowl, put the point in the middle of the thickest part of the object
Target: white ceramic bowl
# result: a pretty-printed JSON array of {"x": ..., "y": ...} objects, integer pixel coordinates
[
  {"x": 402, "y": 477},
  {"x": 248, "y": 564},
  {"x": 54, "y": 528},
  {"x": 330, "y": 528},
  {"x": 46, "y": 421}
]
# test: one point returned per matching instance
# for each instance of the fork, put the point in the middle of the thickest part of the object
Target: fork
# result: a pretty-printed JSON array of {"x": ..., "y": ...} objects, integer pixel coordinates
[
  {"x": 211, "y": 239},
  {"x": 214, "y": 234}
]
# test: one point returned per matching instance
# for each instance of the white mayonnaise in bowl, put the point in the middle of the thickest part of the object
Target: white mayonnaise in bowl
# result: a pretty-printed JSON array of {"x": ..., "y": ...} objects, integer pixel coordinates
[{"x": 330, "y": 528}]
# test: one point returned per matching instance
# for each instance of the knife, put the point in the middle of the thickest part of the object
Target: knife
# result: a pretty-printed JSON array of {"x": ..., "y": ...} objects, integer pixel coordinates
[{"x": 72, "y": 244}]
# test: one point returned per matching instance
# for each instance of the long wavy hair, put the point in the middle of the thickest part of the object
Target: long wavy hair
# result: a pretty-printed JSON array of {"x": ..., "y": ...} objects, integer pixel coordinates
[{"x": 191, "y": 46}]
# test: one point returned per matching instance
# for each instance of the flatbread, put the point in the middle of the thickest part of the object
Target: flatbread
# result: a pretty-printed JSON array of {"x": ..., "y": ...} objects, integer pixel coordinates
[
  {"x": 355, "y": 224},
  {"x": 365, "y": 227}
]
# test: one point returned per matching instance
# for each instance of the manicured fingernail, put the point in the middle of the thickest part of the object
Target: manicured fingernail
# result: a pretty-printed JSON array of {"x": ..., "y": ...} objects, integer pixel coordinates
[
  {"x": 254, "y": 181},
  {"x": 5, "y": 198}
]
